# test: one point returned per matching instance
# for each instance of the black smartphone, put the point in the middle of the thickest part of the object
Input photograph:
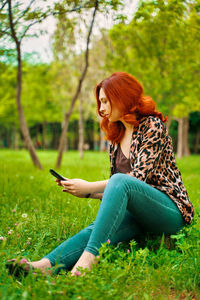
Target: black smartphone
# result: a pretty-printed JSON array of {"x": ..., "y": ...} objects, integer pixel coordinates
[{"x": 58, "y": 176}]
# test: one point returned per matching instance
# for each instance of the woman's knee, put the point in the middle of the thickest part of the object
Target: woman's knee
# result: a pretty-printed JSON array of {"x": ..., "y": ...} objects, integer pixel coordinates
[
  {"x": 117, "y": 179},
  {"x": 121, "y": 179}
]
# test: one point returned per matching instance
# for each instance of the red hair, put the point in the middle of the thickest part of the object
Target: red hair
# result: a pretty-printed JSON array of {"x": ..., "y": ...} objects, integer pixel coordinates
[{"x": 127, "y": 94}]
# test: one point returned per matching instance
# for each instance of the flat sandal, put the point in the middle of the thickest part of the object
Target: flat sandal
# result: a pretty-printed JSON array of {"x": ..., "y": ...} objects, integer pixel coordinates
[{"x": 19, "y": 268}]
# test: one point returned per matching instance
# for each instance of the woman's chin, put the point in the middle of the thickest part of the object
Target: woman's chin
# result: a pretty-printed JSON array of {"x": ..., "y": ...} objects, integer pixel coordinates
[{"x": 112, "y": 120}]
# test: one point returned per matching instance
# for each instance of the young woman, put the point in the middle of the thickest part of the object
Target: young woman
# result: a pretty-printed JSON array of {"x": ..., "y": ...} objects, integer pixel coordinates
[{"x": 145, "y": 192}]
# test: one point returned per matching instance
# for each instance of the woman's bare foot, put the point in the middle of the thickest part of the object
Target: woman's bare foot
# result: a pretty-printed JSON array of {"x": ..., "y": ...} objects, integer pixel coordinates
[
  {"x": 86, "y": 261},
  {"x": 22, "y": 267},
  {"x": 42, "y": 264}
]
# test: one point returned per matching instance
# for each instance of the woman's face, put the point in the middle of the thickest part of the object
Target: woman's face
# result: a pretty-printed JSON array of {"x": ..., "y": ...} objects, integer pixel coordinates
[{"x": 113, "y": 114}]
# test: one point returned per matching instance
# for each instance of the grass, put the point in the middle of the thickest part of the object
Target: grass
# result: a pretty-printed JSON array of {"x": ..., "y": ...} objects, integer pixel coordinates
[{"x": 36, "y": 216}]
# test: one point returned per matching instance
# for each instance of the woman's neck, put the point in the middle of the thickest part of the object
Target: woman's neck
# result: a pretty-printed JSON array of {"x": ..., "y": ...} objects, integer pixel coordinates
[{"x": 128, "y": 127}]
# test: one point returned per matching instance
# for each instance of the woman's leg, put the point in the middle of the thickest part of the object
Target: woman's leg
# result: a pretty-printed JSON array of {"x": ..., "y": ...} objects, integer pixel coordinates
[
  {"x": 68, "y": 253},
  {"x": 149, "y": 210},
  {"x": 153, "y": 210}
]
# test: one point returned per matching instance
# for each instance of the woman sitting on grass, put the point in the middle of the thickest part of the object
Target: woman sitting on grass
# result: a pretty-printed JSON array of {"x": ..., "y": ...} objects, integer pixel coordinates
[{"x": 145, "y": 192}]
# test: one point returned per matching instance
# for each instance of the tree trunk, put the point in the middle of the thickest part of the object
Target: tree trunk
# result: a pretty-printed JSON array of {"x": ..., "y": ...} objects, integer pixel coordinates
[
  {"x": 65, "y": 142},
  {"x": 180, "y": 139},
  {"x": 183, "y": 148},
  {"x": 23, "y": 125},
  {"x": 62, "y": 140},
  {"x": 168, "y": 124},
  {"x": 186, "y": 136},
  {"x": 15, "y": 138},
  {"x": 78, "y": 90},
  {"x": 102, "y": 140},
  {"x": 81, "y": 129}
]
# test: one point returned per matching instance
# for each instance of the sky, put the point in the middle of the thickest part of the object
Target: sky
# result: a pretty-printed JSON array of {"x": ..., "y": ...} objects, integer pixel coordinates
[{"x": 42, "y": 44}]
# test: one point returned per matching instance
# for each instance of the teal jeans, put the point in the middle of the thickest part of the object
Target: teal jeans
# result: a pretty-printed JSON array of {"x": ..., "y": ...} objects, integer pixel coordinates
[{"x": 129, "y": 208}]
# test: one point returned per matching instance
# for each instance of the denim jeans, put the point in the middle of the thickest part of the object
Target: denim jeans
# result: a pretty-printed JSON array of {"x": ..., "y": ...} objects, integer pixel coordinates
[{"x": 129, "y": 208}]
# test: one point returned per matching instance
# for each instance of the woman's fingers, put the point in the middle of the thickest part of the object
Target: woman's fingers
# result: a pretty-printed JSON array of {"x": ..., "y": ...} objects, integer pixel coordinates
[
  {"x": 67, "y": 185},
  {"x": 58, "y": 182},
  {"x": 61, "y": 182},
  {"x": 69, "y": 191}
]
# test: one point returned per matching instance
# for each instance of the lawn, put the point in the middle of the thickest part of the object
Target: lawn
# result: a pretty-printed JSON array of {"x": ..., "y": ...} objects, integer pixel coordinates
[{"x": 36, "y": 216}]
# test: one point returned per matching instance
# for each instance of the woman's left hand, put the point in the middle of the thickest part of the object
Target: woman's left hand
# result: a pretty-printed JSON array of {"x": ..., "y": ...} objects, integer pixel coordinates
[{"x": 77, "y": 187}]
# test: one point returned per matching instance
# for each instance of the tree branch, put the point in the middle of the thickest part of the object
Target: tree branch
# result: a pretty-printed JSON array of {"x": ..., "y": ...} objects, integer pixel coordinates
[
  {"x": 46, "y": 16},
  {"x": 24, "y": 12},
  {"x": 3, "y": 5},
  {"x": 90, "y": 31},
  {"x": 5, "y": 32},
  {"x": 27, "y": 28},
  {"x": 13, "y": 33},
  {"x": 68, "y": 113},
  {"x": 67, "y": 11},
  {"x": 86, "y": 59}
]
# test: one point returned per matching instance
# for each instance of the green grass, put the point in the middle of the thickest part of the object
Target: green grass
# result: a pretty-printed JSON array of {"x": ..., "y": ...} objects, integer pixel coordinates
[{"x": 154, "y": 268}]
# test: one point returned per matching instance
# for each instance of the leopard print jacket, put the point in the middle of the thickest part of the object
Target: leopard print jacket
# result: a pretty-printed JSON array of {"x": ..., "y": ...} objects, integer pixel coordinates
[{"x": 152, "y": 161}]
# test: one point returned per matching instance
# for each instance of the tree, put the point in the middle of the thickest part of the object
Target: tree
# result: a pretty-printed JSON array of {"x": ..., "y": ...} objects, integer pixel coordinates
[
  {"x": 15, "y": 24},
  {"x": 8, "y": 115},
  {"x": 67, "y": 115},
  {"x": 10, "y": 28},
  {"x": 81, "y": 128},
  {"x": 96, "y": 4},
  {"x": 39, "y": 96},
  {"x": 95, "y": 74},
  {"x": 156, "y": 48}
]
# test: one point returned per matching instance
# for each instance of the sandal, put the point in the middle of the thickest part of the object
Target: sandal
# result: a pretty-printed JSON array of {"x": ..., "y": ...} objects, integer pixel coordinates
[{"x": 19, "y": 268}]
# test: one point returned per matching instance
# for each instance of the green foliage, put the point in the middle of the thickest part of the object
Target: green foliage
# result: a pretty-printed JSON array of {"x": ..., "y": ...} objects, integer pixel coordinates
[
  {"x": 36, "y": 216},
  {"x": 160, "y": 46},
  {"x": 40, "y": 101},
  {"x": 8, "y": 113},
  {"x": 37, "y": 98},
  {"x": 47, "y": 90}
]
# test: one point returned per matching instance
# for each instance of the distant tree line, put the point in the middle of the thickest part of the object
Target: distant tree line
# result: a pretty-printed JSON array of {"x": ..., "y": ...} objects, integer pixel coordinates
[
  {"x": 12, "y": 138},
  {"x": 52, "y": 105}
]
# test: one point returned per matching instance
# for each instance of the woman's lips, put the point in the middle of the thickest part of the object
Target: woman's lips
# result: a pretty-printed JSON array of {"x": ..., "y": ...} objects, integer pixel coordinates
[{"x": 105, "y": 115}]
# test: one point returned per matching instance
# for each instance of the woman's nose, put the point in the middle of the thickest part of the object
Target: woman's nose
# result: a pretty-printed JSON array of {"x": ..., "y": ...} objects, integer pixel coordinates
[{"x": 101, "y": 109}]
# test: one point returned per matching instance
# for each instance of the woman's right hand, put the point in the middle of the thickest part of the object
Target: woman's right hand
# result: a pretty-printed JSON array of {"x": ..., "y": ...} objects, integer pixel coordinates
[
  {"x": 59, "y": 182},
  {"x": 81, "y": 188},
  {"x": 77, "y": 187}
]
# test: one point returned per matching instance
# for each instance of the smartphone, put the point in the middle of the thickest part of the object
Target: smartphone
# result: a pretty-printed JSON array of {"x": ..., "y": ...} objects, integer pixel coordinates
[{"x": 58, "y": 176}]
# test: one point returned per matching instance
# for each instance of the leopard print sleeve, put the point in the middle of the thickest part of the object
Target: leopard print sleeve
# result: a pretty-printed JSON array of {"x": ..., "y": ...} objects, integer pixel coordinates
[{"x": 149, "y": 149}]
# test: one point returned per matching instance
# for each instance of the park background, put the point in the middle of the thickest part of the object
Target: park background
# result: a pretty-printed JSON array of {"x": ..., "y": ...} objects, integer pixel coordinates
[{"x": 48, "y": 119}]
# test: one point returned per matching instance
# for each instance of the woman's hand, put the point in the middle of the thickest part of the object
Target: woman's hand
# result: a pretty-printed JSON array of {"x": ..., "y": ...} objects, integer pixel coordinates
[{"x": 77, "y": 187}]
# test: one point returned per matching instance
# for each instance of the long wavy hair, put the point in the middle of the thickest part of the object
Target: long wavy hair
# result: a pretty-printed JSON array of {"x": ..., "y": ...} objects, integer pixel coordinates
[{"x": 127, "y": 94}]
